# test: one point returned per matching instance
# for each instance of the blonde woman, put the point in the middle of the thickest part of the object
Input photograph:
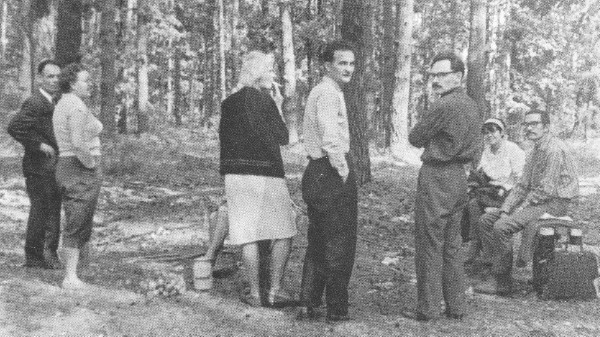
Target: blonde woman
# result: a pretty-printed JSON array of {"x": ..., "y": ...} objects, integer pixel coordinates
[{"x": 251, "y": 132}]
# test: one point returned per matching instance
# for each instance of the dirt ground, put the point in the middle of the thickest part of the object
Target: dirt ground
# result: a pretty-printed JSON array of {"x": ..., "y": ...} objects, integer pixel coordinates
[{"x": 145, "y": 218}]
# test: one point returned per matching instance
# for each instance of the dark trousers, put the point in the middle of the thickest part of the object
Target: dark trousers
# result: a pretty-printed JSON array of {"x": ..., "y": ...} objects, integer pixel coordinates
[
  {"x": 441, "y": 197},
  {"x": 43, "y": 224},
  {"x": 332, "y": 214},
  {"x": 80, "y": 188}
]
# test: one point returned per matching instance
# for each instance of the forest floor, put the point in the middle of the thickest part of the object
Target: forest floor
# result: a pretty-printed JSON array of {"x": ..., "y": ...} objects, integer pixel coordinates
[{"x": 150, "y": 212}]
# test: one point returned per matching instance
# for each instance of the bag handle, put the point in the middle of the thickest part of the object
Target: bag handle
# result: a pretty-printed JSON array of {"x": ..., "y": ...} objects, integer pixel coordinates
[{"x": 557, "y": 224}]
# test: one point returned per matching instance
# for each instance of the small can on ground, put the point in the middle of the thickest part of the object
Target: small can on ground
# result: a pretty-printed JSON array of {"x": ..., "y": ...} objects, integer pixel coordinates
[{"x": 202, "y": 270}]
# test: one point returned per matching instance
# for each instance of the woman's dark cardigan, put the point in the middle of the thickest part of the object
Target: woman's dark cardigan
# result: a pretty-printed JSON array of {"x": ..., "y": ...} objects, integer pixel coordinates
[{"x": 250, "y": 133}]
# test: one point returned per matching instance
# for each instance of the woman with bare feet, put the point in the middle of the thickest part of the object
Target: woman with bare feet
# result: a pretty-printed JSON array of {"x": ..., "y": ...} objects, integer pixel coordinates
[{"x": 77, "y": 133}]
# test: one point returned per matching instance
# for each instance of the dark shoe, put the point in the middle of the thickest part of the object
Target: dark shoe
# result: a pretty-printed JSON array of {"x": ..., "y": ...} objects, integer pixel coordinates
[
  {"x": 37, "y": 264},
  {"x": 252, "y": 301},
  {"x": 455, "y": 316},
  {"x": 53, "y": 260},
  {"x": 307, "y": 313},
  {"x": 417, "y": 316},
  {"x": 337, "y": 317},
  {"x": 501, "y": 285}
]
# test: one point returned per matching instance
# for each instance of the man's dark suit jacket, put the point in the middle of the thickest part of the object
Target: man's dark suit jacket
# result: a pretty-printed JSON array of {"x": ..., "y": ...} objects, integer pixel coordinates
[{"x": 31, "y": 126}]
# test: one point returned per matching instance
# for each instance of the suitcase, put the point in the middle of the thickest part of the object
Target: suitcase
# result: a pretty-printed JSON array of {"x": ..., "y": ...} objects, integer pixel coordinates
[{"x": 562, "y": 269}]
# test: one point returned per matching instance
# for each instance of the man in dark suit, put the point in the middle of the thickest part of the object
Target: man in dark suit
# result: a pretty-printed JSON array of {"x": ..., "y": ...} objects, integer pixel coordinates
[{"x": 32, "y": 127}]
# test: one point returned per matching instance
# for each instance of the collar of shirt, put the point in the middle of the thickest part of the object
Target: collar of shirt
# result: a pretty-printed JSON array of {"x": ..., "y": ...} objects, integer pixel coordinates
[
  {"x": 47, "y": 95},
  {"x": 543, "y": 143},
  {"x": 457, "y": 89},
  {"x": 330, "y": 81}
]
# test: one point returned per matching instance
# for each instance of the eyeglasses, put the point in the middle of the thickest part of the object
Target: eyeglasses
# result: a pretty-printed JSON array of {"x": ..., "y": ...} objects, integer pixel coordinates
[
  {"x": 532, "y": 124},
  {"x": 441, "y": 74}
]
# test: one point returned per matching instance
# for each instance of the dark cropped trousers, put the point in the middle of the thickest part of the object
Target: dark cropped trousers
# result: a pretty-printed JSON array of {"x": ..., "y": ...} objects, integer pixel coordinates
[
  {"x": 43, "y": 224},
  {"x": 332, "y": 214},
  {"x": 80, "y": 187}
]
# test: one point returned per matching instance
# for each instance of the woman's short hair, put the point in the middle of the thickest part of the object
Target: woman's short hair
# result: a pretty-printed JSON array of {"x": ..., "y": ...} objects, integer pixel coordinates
[
  {"x": 254, "y": 64},
  {"x": 68, "y": 76}
]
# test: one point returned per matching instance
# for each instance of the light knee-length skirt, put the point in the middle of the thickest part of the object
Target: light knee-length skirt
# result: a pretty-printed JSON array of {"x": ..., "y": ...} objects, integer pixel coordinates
[{"x": 260, "y": 208}]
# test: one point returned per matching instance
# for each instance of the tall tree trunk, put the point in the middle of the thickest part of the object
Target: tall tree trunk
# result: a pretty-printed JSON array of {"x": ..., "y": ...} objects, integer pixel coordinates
[
  {"x": 68, "y": 32},
  {"x": 177, "y": 94},
  {"x": 108, "y": 47},
  {"x": 3, "y": 28},
  {"x": 289, "y": 74},
  {"x": 499, "y": 60},
  {"x": 235, "y": 41},
  {"x": 387, "y": 70},
  {"x": 222, "y": 74},
  {"x": 354, "y": 15},
  {"x": 401, "y": 101},
  {"x": 122, "y": 32},
  {"x": 26, "y": 73},
  {"x": 476, "y": 59},
  {"x": 143, "y": 32}
]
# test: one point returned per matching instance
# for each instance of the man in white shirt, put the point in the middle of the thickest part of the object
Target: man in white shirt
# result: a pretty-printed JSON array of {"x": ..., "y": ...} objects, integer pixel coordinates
[{"x": 329, "y": 189}]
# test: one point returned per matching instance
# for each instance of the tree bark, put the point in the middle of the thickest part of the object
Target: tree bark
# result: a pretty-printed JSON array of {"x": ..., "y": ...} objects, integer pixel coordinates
[
  {"x": 476, "y": 60},
  {"x": 108, "y": 47},
  {"x": 289, "y": 64},
  {"x": 401, "y": 100},
  {"x": 235, "y": 41},
  {"x": 177, "y": 94},
  {"x": 221, "y": 61},
  {"x": 26, "y": 73},
  {"x": 354, "y": 15},
  {"x": 3, "y": 28},
  {"x": 68, "y": 32},
  {"x": 387, "y": 70},
  {"x": 143, "y": 32}
]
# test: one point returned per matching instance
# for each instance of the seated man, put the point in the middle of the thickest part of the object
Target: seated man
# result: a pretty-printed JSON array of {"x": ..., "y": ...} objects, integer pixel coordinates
[
  {"x": 548, "y": 184},
  {"x": 498, "y": 171}
]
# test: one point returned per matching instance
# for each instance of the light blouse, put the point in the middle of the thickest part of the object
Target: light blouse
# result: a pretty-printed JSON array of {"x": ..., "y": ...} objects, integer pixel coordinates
[{"x": 77, "y": 130}]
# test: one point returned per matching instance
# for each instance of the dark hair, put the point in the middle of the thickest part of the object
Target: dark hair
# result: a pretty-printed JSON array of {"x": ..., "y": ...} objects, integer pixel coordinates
[
  {"x": 456, "y": 64},
  {"x": 68, "y": 76},
  {"x": 44, "y": 63},
  {"x": 543, "y": 114},
  {"x": 330, "y": 48}
]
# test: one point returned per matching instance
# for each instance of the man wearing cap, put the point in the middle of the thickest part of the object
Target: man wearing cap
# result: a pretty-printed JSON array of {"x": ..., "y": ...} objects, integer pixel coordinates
[
  {"x": 450, "y": 133},
  {"x": 498, "y": 171},
  {"x": 548, "y": 185},
  {"x": 32, "y": 127}
]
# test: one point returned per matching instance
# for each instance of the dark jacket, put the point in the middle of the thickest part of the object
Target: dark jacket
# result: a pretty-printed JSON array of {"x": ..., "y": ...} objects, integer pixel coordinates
[
  {"x": 31, "y": 126},
  {"x": 450, "y": 131},
  {"x": 250, "y": 133}
]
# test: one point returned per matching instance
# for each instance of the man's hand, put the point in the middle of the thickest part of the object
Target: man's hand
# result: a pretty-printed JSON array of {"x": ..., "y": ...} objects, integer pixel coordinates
[{"x": 47, "y": 150}]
